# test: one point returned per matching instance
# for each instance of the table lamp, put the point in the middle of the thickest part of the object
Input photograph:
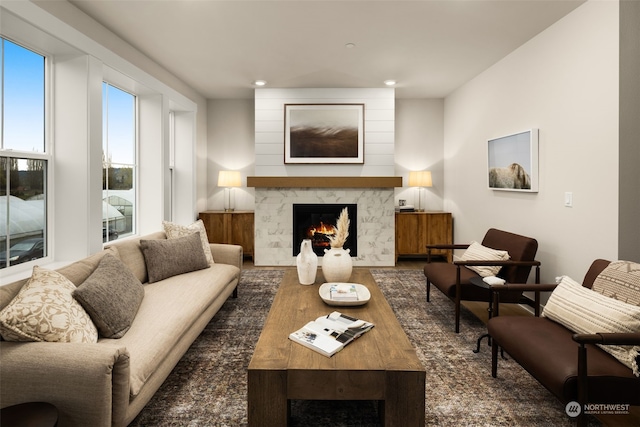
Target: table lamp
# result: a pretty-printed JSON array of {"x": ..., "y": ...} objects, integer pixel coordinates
[
  {"x": 228, "y": 180},
  {"x": 420, "y": 179}
]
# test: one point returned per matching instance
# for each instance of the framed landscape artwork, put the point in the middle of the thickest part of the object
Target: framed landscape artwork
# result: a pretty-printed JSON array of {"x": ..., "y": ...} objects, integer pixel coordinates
[
  {"x": 324, "y": 133},
  {"x": 513, "y": 162}
]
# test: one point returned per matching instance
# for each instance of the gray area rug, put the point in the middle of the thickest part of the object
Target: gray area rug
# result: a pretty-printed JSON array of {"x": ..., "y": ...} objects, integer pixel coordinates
[{"x": 208, "y": 387}]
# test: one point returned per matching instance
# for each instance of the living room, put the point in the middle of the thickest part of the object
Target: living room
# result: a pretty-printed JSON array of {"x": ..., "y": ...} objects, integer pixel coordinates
[{"x": 574, "y": 81}]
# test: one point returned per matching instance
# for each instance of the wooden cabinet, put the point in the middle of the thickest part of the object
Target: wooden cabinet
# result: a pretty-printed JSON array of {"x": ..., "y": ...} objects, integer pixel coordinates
[
  {"x": 416, "y": 230},
  {"x": 230, "y": 227}
]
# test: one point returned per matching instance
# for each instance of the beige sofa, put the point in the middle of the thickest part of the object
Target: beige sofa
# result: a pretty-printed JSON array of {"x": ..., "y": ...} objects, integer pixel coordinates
[{"x": 108, "y": 383}]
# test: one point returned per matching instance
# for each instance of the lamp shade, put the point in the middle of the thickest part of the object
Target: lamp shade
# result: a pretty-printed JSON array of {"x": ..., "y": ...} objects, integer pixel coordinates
[
  {"x": 420, "y": 179},
  {"x": 229, "y": 179}
]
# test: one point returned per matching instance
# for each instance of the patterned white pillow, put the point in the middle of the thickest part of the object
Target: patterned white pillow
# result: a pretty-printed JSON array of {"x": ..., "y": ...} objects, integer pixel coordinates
[
  {"x": 477, "y": 252},
  {"x": 620, "y": 280},
  {"x": 584, "y": 311},
  {"x": 45, "y": 310},
  {"x": 175, "y": 230}
]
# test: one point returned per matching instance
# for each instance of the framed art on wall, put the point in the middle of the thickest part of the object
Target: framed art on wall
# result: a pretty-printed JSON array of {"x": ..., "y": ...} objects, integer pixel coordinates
[
  {"x": 324, "y": 133},
  {"x": 513, "y": 162}
]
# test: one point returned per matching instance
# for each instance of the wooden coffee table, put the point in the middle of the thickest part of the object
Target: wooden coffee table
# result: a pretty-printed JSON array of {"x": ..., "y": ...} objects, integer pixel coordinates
[{"x": 381, "y": 365}]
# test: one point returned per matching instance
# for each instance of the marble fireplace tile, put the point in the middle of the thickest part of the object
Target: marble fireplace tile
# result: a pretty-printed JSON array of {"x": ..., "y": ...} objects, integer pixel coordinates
[{"x": 274, "y": 219}]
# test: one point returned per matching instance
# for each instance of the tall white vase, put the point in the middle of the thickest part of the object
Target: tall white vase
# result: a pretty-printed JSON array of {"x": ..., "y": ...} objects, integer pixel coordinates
[
  {"x": 307, "y": 263},
  {"x": 337, "y": 265}
]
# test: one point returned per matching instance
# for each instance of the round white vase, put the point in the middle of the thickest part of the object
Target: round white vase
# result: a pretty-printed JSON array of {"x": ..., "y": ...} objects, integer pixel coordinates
[
  {"x": 307, "y": 263},
  {"x": 337, "y": 265}
]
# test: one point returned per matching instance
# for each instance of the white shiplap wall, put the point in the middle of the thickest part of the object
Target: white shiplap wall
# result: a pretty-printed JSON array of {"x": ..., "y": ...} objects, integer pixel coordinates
[{"x": 379, "y": 131}]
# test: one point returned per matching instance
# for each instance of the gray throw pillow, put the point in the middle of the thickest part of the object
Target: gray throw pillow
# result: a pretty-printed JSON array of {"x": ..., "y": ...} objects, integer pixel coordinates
[
  {"x": 111, "y": 295},
  {"x": 170, "y": 257}
]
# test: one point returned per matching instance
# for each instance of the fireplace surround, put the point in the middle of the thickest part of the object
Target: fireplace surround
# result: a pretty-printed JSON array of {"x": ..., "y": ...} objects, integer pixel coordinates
[
  {"x": 317, "y": 221},
  {"x": 273, "y": 244}
]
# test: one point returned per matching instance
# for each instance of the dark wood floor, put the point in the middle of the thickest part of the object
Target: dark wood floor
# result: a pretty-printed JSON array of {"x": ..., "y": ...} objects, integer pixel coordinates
[{"x": 480, "y": 310}]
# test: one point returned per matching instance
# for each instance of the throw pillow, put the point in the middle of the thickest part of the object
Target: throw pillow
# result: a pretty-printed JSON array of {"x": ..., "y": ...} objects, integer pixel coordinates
[
  {"x": 111, "y": 296},
  {"x": 584, "y": 311},
  {"x": 170, "y": 257},
  {"x": 620, "y": 280},
  {"x": 44, "y": 310},
  {"x": 174, "y": 230},
  {"x": 477, "y": 252}
]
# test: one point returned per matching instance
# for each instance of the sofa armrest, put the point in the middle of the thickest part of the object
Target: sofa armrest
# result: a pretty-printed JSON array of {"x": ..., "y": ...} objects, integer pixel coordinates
[
  {"x": 608, "y": 338},
  {"x": 227, "y": 254},
  {"x": 88, "y": 383}
]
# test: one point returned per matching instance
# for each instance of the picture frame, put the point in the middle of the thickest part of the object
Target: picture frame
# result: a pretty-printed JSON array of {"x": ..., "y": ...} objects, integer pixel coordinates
[
  {"x": 324, "y": 133},
  {"x": 513, "y": 162}
]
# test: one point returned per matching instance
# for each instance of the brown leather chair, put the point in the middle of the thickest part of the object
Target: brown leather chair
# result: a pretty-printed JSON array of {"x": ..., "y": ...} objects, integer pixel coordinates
[
  {"x": 454, "y": 279},
  {"x": 557, "y": 357}
]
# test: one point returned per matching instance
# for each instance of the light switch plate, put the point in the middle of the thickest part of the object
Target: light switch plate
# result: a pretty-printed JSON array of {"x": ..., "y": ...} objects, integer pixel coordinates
[{"x": 568, "y": 199}]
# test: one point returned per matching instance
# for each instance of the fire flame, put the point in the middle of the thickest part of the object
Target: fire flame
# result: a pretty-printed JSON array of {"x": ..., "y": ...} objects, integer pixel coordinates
[{"x": 318, "y": 233}]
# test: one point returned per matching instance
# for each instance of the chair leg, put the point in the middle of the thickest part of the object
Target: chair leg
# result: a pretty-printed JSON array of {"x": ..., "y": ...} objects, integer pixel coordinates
[
  {"x": 428, "y": 290},
  {"x": 494, "y": 359}
]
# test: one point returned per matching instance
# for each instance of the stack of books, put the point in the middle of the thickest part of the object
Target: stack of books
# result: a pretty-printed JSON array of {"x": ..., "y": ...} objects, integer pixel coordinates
[{"x": 331, "y": 333}]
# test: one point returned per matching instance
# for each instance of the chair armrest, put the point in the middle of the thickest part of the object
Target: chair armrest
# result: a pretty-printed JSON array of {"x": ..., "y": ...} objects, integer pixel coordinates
[
  {"x": 448, "y": 246},
  {"x": 88, "y": 383},
  {"x": 608, "y": 338},
  {"x": 524, "y": 287},
  {"x": 508, "y": 263},
  {"x": 444, "y": 246},
  {"x": 534, "y": 287}
]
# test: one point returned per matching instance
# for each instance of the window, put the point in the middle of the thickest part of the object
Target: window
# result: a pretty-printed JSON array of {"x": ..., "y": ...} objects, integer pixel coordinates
[
  {"x": 23, "y": 157},
  {"x": 119, "y": 164},
  {"x": 172, "y": 162}
]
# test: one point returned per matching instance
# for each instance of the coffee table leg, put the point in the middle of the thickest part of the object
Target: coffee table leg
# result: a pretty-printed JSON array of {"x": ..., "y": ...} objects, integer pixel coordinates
[
  {"x": 404, "y": 399},
  {"x": 267, "y": 403}
]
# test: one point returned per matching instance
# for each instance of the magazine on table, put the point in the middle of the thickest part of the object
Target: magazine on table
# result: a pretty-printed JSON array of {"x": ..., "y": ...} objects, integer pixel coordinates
[{"x": 329, "y": 334}]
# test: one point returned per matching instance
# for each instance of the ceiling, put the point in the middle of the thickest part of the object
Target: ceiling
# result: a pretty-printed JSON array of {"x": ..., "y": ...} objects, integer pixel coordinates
[{"x": 430, "y": 47}]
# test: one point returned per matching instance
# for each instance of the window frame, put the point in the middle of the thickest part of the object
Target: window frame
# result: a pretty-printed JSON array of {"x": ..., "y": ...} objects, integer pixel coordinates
[{"x": 46, "y": 156}]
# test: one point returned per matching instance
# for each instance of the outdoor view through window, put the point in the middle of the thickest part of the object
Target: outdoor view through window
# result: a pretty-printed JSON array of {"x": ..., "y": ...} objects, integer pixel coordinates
[
  {"x": 118, "y": 162},
  {"x": 23, "y": 158}
]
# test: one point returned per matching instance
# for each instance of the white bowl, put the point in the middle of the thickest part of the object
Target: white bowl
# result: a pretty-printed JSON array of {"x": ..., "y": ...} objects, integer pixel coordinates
[{"x": 363, "y": 294}]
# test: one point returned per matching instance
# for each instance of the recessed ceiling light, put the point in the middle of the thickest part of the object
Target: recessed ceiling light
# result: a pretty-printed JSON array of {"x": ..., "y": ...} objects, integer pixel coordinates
[
  {"x": 260, "y": 83},
  {"x": 350, "y": 45},
  {"x": 390, "y": 82}
]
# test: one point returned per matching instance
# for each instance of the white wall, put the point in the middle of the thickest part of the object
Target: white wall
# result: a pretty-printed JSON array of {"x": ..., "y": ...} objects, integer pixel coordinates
[
  {"x": 420, "y": 146},
  {"x": 231, "y": 147},
  {"x": 564, "y": 82}
]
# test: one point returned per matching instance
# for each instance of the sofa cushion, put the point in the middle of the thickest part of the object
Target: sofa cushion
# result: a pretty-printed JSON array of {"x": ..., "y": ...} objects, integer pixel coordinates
[
  {"x": 620, "y": 280},
  {"x": 584, "y": 311},
  {"x": 44, "y": 310},
  {"x": 111, "y": 296},
  {"x": 78, "y": 271},
  {"x": 170, "y": 257},
  {"x": 175, "y": 230},
  {"x": 477, "y": 252}
]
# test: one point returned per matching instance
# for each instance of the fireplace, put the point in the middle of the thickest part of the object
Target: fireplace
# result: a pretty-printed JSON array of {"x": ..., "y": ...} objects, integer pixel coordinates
[{"x": 318, "y": 221}]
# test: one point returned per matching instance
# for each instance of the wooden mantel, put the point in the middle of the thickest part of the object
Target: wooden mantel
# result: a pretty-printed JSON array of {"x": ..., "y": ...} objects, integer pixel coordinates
[{"x": 324, "y": 181}]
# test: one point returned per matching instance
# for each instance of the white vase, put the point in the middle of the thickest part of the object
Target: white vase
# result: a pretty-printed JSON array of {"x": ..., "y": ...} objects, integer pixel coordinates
[
  {"x": 307, "y": 263},
  {"x": 337, "y": 265}
]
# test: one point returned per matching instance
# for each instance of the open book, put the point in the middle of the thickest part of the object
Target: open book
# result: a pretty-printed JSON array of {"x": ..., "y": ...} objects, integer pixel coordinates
[{"x": 329, "y": 334}]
